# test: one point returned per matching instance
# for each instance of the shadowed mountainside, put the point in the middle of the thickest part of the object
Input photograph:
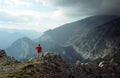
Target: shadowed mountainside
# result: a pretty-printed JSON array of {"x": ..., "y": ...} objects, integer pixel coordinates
[{"x": 93, "y": 37}]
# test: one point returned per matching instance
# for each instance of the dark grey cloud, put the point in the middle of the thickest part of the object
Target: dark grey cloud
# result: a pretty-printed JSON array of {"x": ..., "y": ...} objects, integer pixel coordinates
[
  {"x": 74, "y": 3},
  {"x": 111, "y": 7},
  {"x": 87, "y": 7}
]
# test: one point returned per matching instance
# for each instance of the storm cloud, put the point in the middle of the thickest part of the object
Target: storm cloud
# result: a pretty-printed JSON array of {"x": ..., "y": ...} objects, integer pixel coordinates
[
  {"x": 85, "y": 7},
  {"x": 42, "y": 15}
]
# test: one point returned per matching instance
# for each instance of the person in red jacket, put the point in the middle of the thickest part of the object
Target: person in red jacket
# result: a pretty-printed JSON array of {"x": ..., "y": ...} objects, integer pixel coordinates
[{"x": 38, "y": 49}]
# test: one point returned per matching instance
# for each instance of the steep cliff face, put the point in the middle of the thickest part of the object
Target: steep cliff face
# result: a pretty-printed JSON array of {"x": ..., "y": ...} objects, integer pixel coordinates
[{"x": 101, "y": 41}]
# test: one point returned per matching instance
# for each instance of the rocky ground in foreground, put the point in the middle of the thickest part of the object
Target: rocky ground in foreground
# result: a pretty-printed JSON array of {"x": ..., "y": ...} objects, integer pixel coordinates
[{"x": 51, "y": 65}]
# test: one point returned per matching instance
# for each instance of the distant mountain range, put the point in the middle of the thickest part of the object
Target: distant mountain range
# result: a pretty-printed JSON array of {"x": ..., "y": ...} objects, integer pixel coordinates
[
  {"x": 8, "y": 36},
  {"x": 90, "y": 38}
]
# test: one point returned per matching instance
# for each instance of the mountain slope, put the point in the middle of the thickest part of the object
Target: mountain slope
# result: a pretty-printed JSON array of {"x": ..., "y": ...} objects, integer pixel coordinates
[
  {"x": 23, "y": 48},
  {"x": 100, "y": 41},
  {"x": 80, "y": 40},
  {"x": 68, "y": 53},
  {"x": 85, "y": 36},
  {"x": 68, "y": 32}
]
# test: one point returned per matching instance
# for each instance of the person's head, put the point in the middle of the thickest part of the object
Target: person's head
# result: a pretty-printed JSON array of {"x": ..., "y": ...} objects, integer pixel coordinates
[{"x": 38, "y": 44}]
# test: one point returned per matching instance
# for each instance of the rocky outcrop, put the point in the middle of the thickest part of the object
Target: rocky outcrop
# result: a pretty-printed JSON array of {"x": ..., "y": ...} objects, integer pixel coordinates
[
  {"x": 6, "y": 62},
  {"x": 89, "y": 70},
  {"x": 2, "y": 53},
  {"x": 51, "y": 65},
  {"x": 104, "y": 69}
]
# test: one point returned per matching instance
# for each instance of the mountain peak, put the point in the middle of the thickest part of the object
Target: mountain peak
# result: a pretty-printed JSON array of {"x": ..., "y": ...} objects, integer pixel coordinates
[{"x": 24, "y": 48}]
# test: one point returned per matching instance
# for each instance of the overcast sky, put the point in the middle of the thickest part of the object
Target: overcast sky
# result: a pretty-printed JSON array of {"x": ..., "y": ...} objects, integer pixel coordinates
[{"x": 41, "y": 15}]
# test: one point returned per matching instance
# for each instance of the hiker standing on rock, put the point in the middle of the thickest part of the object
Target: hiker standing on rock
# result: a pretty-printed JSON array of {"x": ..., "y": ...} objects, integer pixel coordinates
[{"x": 38, "y": 49}]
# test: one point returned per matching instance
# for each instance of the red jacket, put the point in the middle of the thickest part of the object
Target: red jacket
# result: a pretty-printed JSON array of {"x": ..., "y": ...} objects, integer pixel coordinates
[{"x": 38, "y": 49}]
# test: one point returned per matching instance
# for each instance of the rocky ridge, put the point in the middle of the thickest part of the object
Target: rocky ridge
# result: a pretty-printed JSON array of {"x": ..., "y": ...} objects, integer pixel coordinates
[{"x": 51, "y": 65}]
